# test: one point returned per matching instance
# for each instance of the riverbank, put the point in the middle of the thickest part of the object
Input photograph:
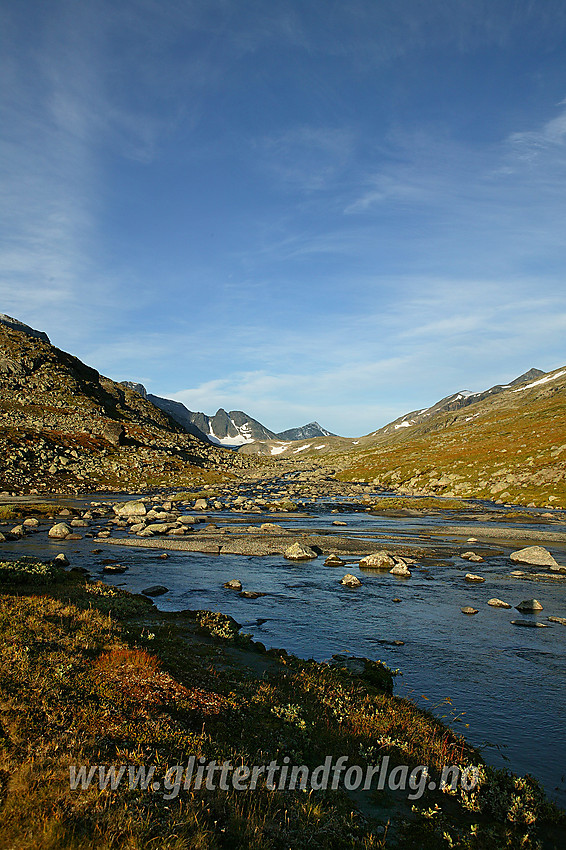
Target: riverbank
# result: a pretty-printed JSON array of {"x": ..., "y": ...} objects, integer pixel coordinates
[{"x": 92, "y": 675}]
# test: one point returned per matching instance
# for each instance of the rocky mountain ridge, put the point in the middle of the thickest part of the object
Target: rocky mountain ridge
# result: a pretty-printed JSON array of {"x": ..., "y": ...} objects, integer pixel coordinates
[
  {"x": 230, "y": 429},
  {"x": 455, "y": 401},
  {"x": 65, "y": 428}
]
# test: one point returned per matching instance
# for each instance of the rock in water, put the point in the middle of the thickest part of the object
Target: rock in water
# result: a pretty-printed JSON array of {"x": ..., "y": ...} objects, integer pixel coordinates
[
  {"x": 377, "y": 560},
  {"x": 528, "y": 606},
  {"x": 471, "y": 556},
  {"x": 334, "y": 561},
  {"x": 472, "y": 577},
  {"x": 233, "y": 584},
  {"x": 299, "y": 552},
  {"x": 536, "y": 555},
  {"x": 61, "y": 560},
  {"x": 59, "y": 531},
  {"x": 561, "y": 620},
  {"x": 135, "y": 507},
  {"x": 498, "y": 603},
  {"x": 351, "y": 581},
  {"x": 469, "y": 610},
  {"x": 155, "y": 590},
  {"x": 530, "y": 624},
  {"x": 401, "y": 569}
]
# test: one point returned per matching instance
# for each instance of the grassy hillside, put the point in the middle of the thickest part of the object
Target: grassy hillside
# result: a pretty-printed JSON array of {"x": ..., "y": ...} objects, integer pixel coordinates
[{"x": 511, "y": 447}]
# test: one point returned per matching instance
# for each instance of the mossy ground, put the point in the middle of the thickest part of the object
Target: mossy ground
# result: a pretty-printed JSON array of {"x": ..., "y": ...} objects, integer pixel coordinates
[{"x": 91, "y": 675}]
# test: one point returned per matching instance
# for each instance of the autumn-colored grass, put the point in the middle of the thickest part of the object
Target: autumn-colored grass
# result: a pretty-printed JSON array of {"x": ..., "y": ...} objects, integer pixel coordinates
[{"x": 90, "y": 674}]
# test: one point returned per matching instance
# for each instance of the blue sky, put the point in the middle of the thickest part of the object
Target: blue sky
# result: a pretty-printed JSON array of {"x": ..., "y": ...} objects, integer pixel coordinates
[{"x": 306, "y": 210}]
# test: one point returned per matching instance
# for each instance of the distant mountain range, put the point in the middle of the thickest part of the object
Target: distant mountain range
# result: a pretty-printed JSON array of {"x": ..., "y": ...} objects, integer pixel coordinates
[
  {"x": 229, "y": 429},
  {"x": 66, "y": 428}
]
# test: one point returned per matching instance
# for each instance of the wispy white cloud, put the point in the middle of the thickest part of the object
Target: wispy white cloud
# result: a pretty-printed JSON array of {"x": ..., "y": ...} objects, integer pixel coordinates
[{"x": 306, "y": 157}]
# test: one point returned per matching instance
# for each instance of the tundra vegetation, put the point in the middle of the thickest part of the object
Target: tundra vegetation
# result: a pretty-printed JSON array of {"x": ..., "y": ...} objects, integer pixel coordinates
[{"x": 92, "y": 675}]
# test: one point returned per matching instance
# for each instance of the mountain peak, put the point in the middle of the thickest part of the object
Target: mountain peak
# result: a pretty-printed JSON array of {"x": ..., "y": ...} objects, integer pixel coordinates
[
  {"x": 305, "y": 432},
  {"x": 16, "y": 325}
]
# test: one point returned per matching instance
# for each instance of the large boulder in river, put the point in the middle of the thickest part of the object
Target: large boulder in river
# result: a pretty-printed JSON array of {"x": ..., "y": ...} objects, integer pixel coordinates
[
  {"x": 59, "y": 531},
  {"x": 299, "y": 552},
  {"x": 378, "y": 561},
  {"x": 135, "y": 507},
  {"x": 537, "y": 555}
]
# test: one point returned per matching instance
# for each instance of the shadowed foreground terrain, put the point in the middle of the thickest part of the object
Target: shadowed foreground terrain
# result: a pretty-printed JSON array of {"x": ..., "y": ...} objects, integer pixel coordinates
[{"x": 91, "y": 675}]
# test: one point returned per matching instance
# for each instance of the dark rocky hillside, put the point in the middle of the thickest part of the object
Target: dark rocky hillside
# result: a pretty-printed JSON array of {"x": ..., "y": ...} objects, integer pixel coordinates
[{"x": 65, "y": 427}]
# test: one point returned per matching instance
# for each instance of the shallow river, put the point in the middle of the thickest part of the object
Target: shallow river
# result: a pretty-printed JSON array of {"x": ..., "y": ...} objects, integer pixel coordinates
[{"x": 507, "y": 684}]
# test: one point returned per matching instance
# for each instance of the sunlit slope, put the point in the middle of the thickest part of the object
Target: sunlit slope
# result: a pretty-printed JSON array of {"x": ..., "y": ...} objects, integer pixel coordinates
[{"x": 510, "y": 447}]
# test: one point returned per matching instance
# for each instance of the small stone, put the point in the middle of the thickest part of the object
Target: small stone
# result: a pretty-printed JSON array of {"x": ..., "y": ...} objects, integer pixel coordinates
[
  {"x": 339, "y": 522},
  {"x": 350, "y": 580},
  {"x": 250, "y": 594},
  {"x": 469, "y": 610},
  {"x": 498, "y": 603},
  {"x": 530, "y": 624},
  {"x": 201, "y": 505},
  {"x": 401, "y": 569},
  {"x": 233, "y": 584},
  {"x": 561, "y": 620},
  {"x": 517, "y": 573},
  {"x": 31, "y": 522},
  {"x": 114, "y": 568},
  {"x": 271, "y": 528},
  {"x": 163, "y": 556},
  {"x": 472, "y": 577},
  {"x": 61, "y": 560},
  {"x": 334, "y": 561},
  {"x": 472, "y": 556}
]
